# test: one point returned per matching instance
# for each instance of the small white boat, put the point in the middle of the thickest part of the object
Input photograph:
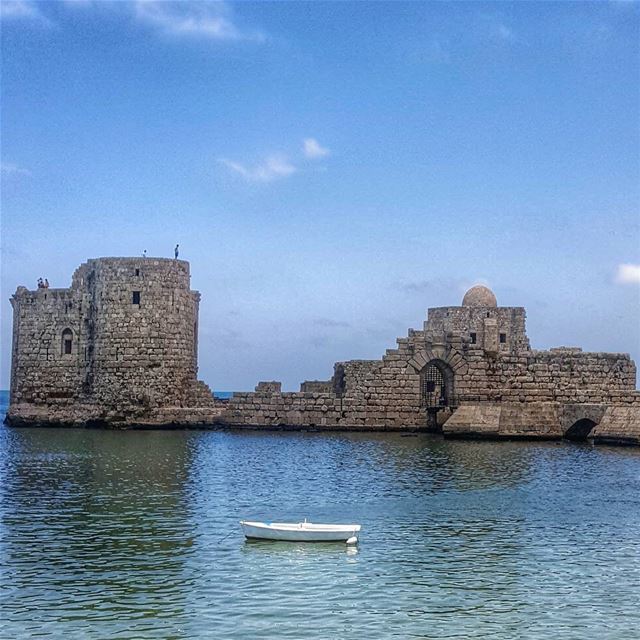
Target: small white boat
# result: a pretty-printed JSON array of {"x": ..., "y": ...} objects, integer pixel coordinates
[{"x": 301, "y": 531}]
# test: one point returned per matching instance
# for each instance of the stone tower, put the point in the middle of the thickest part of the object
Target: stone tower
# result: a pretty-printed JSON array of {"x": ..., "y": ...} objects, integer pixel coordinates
[
  {"x": 119, "y": 345},
  {"x": 480, "y": 323}
]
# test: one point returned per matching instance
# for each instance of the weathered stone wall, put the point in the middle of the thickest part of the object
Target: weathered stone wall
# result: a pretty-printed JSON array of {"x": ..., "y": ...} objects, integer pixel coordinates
[
  {"x": 317, "y": 386},
  {"x": 487, "y": 323},
  {"x": 523, "y": 389},
  {"x": 144, "y": 353},
  {"x": 41, "y": 373},
  {"x": 133, "y": 324},
  {"x": 264, "y": 408},
  {"x": 620, "y": 424},
  {"x": 506, "y": 420},
  {"x": 272, "y": 386}
]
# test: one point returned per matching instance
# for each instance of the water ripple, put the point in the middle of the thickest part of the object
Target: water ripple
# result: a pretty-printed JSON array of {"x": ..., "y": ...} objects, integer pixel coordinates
[{"x": 134, "y": 535}]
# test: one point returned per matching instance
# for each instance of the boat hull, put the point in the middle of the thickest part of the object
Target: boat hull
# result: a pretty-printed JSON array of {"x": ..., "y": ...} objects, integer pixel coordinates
[{"x": 301, "y": 532}]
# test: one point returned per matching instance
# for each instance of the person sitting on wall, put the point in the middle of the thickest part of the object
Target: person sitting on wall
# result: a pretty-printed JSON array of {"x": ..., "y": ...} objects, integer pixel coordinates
[
  {"x": 40, "y": 283},
  {"x": 46, "y": 283}
]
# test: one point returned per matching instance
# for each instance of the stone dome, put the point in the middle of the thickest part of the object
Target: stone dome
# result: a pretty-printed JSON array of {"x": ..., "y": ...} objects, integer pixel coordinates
[{"x": 479, "y": 296}]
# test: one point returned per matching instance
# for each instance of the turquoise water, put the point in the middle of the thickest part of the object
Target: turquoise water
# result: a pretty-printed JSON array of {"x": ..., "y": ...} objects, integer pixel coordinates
[{"x": 135, "y": 535}]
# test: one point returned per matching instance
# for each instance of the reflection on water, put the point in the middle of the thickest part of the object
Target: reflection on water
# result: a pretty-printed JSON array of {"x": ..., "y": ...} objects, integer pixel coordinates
[
  {"x": 136, "y": 535},
  {"x": 87, "y": 520},
  {"x": 302, "y": 549}
]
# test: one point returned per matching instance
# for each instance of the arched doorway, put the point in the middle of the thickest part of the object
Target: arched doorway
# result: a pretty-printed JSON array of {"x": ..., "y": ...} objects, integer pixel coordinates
[
  {"x": 436, "y": 390},
  {"x": 579, "y": 431}
]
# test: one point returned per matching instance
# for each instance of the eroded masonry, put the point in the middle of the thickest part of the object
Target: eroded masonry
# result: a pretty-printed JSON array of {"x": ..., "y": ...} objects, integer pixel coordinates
[{"x": 119, "y": 348}]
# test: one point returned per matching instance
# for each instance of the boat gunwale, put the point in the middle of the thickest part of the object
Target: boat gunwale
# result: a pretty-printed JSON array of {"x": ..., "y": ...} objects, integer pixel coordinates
[{"x": 310, "y": 527}]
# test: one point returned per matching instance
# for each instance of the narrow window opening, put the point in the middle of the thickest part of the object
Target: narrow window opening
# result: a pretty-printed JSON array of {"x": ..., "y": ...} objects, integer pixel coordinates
[
  {"x": 195, "y": 339},
  {"x": 67, "y": 341},
  {"x": 473, "y": 337},
  {"x": 137, "y": 272},
  {"x": 488, "y": 314},
  {"x": 503, "y": 338},
  {"x": 136, "y": 297}
]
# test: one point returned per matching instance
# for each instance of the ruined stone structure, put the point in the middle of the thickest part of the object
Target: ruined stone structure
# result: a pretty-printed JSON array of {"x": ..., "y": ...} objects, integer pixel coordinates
[
  {"x": 120, "y": 348},
  {"x": 469, "y": 371}
]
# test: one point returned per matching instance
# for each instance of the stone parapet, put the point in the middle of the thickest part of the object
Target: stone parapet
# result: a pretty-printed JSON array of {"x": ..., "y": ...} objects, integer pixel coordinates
[
  {"x": 272, "y": 386},
  {"x": 317, "y": 386}
]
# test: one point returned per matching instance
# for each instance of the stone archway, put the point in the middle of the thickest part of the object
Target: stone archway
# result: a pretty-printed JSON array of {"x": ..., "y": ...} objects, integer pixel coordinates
[
  {"x": 577, "y": 420},
  {"x": 436, "y": 385},
  {"x": 437, "y": 392},
  {"x": 449, "y": 362},
  {"x": 579, "y": 431}
]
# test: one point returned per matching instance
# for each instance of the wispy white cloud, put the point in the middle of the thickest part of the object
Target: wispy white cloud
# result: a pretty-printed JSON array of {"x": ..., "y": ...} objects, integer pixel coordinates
[
  {"x": 505, "y": 33},
  {"x": 209, "y": 19},
  {"x": 277, "y": 166},
  {"x": 22, "y": 10},
  {"x": 9, "y": 169},
  {"x": 312, "y": 149},
  {"x": 274, "y": 167},
  {"x": 628, "y": 274},
  {"x": 196, "y": 19},
  {"x": 492, "y": 27}
]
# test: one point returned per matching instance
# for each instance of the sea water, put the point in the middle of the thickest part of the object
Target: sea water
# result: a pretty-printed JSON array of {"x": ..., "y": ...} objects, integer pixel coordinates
[{"x": 132, "y": 534}]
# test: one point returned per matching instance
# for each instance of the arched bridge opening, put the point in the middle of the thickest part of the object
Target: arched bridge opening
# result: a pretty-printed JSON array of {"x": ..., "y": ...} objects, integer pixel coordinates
[{"x": 580, "y": 430}]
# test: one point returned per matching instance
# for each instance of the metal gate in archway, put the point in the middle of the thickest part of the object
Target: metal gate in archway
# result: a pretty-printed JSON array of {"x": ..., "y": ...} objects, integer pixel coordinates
[
  {"x": 436, "y": 391},
  {"x": 433, "y": 388}
]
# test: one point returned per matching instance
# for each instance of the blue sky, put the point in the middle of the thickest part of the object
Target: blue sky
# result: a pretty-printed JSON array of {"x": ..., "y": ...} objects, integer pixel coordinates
[{"x": 330, "y": 170}]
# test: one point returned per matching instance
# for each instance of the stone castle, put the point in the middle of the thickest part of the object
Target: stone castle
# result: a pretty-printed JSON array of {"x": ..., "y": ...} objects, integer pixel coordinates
[
  {"x": 116, "y": 347},
  {"x": 119, "y": 348}
]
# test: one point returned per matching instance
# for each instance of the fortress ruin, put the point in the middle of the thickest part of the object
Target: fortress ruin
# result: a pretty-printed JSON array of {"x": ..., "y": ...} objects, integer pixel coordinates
[{"x": 119, "y": 348}]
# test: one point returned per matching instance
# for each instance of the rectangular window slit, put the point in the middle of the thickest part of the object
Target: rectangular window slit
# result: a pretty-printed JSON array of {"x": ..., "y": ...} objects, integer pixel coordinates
[
  {"x": 503, "y": 338},
  {"x": 136, "y": 297},
  {"x": 473, "y": 337}
]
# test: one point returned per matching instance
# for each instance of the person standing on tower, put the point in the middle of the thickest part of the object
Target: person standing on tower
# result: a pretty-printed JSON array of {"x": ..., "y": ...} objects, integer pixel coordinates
[{"x": 175, "y": 251}]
